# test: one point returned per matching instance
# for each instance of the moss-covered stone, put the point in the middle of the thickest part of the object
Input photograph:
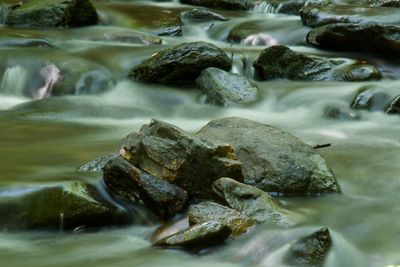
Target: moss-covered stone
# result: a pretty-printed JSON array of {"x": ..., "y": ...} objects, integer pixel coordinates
[
  {"x": 57, "y": 207},
  {"x": 199, "y": 236},
  {"x": 182, "y": 63},
  {"x": 211, "y": 211},
  {"x": 53, "y": 13}
]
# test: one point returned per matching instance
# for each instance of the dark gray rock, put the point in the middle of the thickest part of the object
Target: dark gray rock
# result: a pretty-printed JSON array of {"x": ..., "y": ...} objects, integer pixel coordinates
[
  {"x": 97, "y": 164},
  {"x": 224, "y": 88},
  {"x": 53, "y": 13},
  {"x": 355, "y": 37},
  {"x": 169, "y": 31},
  {"x": 211, "y": 211},
  {"x": 163, "y": 198},
  {"x": 394, "y": 106},
  {"x": 167, "y": 152},
  {"x": 281, "y": 62},
  {"x": 273, "y": 160},
  {"x": 385, "y": 3},
  {"x": 340, "y": 113},
  {"x": 62, "y": 206},
  {"x": 253, "y": 202},
  {"x": 309, "y": 251},
  {"x": 371, "y": 99},
  {"x": 220, "y": 4},
  {"x": 201, "y": 15},
  {"x": 199, "y": 236},
  {"x": 314, "y": 16},
  {"x": 182, "y": 63}
]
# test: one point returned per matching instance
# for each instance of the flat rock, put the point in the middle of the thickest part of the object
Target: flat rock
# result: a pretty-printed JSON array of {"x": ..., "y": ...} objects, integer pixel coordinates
[
  {"x": 60, "y": 206},
  {"x": 167, "y": 152},
  {"x": 182, "y": 63},
  {"x": 314, "y": 16},
  {"x": 124, "y": 179},
  {"x": 355, "y": 37},
  {"x": 310, "y": 251},
  {"x": 273, "y": 160},
  {"x": 281, "y": 62},
  {"x": 201, "y": 15},
  {"x": 251, "y": 201},
  {"x": 211, "y": 211},
  {"x": 224, "y": 88},
  {"x": 199, "y": 235},
  {"x": 53, "y": 13}
]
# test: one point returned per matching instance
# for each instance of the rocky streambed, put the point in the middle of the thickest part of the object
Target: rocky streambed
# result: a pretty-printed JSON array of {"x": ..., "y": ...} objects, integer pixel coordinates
[{"x": 257, "y": 133}]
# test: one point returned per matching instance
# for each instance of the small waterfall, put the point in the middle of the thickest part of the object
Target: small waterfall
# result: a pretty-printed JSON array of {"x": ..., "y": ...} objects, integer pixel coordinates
[
  {"x": 265, "y": 7},
  {"x": 3, "y": 13},
  {"x": 51, "y": 75},
  {"x": 15, "y": 80}
]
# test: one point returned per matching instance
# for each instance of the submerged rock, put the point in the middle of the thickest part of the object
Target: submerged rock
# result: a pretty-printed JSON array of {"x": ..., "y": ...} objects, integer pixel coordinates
[
  {"x": 53, "y": 13},
  {"x": 167, "y": 152},
  {"x": 394, "y": 106},
  {"x": 340, "y": 113},
  {"x": 199, "y": 235},
  {"x": 314, "y": 16},
  {"x": 224, "y": 88},
  {"x": 163, "y": 198},
  {"x": 211, "y": 211},
  {"x": 281, "y": 62},
  {"x": 273, "y": 160},
  {"x": 354, "y": 37},
  {"x": 10, "y": 41},
  {"x": 57, "y": 207},
  {"x": 201, "y": 15},
  {"x": 182, "y": 63},
  {"x": 310, "y": 251},
  {"x": 252, "y": 202}
]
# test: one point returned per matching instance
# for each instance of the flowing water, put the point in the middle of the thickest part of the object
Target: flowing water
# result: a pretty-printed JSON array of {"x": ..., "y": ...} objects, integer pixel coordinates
[{"x": 46, "y": 140}]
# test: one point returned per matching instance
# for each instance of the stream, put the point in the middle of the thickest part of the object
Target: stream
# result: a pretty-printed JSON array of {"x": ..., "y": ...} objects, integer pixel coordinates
[{"x": 46, "y": 140}]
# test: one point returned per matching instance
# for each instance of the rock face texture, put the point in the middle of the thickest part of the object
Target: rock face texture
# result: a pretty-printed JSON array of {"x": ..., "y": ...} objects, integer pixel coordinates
[
  {"x": 273, "y": 160},
  {"x": 182, "y": 63},
  {"x": 167, "y": 152}
]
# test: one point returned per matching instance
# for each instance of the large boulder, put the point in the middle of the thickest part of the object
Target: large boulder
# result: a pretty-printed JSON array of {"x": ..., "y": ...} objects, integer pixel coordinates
[
  {"x": 224, "y": 88},
  {"x": 309, "y": 251},
  {"x": 355, "y": 37},
  {"x": 273, "y": 160},
  {"x": 211, "y": 211},
  {"x": 60, "y": 206},
  {"x": 124, "y": 179},
  {"x": 167, "y": 152},
  {"x": 53, "y": 13},
  {"x": 199, "y": 235},
  {"x": 281, "y": 62},
  {"x": 251, "y": 201},
  {"x": 314, "y": 16},
  {"x": 182, "y": 63}
]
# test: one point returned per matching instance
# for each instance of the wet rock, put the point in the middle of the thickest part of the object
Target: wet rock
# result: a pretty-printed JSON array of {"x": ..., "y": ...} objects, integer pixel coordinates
[
  {"x": 292, "y": 6},
  {"x": 372, "y": 100},
  {"x": 385, "y": 3},
  {"x": 281, "y": 62},
  {"x": 169, "y": 153},
  {"x": 182, "y": 63},
  {"x": 163, "y": 198},
  {"x": 220, "y": 4},
  {"x": 314, "y": 16},
  {"x": 56, "y": 207},
  {"x": 273, "y": 160},
  {"x": 268, "y": 32},
  {"x": 354, "y": 37},
  {"x": 211, "y": 211},
  {"x": 201, "y": 15},
  {"x": 310, "y": 251},
  {"x": 394, "y": 106},
  {"x": 9, "y": 41},
  {"x": 340, "y": 113},
  {"x": 169, "y": 31},
  {"x": 97, "y": 164},
  {"x": 224, "y": 88},
  {"x": 199, "y": 235},
  {"x": 252, "y": 202},
  {"x": 53, "y": 13}
]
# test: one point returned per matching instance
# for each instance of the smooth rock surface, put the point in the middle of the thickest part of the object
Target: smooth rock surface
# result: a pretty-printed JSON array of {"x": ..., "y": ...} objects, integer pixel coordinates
[
  {"x": 220, "y": 4},
  {"x": 199, "y": 235},
  {"x": 182, "y": 63},
  {"x": 211, "y": 211},
  {"x": 167, "y": 152},
  {"x": 163, "y": 198},
  {"x": 201, "y": 15},
  {"x": 97, "y": 164},
  {"x": 224, "y": 88},
  {"x": 273, "y": 160}
]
